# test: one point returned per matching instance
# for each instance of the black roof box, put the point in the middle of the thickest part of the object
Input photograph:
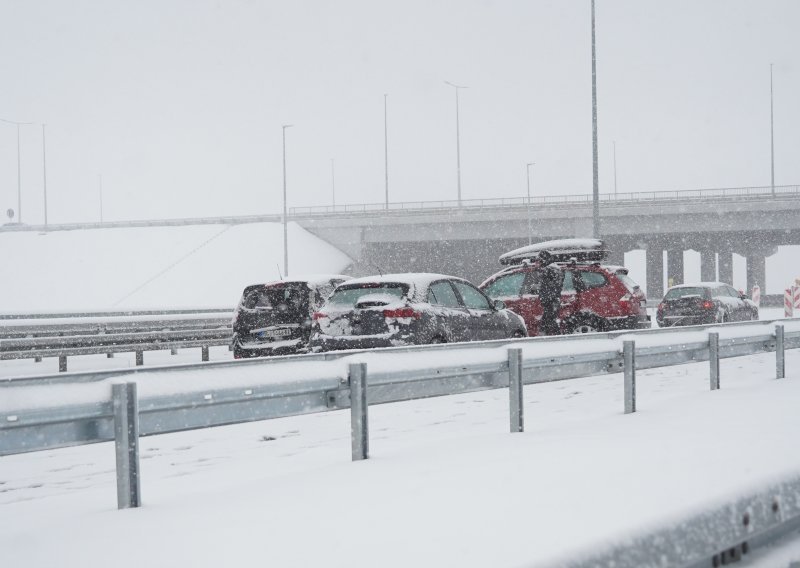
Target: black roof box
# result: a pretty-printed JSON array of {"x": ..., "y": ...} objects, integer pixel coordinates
[{"x": 560, "y": 250}]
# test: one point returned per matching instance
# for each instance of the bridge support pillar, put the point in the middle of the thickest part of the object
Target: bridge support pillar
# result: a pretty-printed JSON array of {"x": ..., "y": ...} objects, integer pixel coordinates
[
  {"x": 674, "y": 267},
  {"x": 708, "y": 266},
  {"x": 756, "y": 272},
  {"x": 655, "y": 273},
  {"x": 726, "y": 267}
]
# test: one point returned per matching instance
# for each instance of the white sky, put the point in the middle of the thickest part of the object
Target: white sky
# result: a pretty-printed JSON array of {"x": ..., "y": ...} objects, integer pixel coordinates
[{"x": 179, "y": 104}]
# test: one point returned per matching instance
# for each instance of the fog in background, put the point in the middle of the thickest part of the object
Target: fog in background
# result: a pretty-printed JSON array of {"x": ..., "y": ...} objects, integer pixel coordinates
[{"x": 178, "y": 105}]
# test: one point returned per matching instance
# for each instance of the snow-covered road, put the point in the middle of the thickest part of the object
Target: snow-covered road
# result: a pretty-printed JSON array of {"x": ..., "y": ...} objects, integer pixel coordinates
[{"x": 446, "y": 483}]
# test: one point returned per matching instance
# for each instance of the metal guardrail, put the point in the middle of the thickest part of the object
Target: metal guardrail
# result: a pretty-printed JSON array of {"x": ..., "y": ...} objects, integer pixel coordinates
[
  {"x": 628, "y": 198},
  {"x": 715, "y": 537},
  {"x": 112, "y": 313},
  {"x": 53, "y": 425},
  {"x": 87, "y": 334}
]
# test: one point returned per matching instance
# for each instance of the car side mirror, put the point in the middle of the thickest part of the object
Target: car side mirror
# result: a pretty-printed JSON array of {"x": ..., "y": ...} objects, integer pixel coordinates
[{"x": 499, "y": 305}]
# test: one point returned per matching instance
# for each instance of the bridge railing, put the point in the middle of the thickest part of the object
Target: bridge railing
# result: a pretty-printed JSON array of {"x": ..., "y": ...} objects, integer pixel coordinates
[{"x": 625, "y": 198}]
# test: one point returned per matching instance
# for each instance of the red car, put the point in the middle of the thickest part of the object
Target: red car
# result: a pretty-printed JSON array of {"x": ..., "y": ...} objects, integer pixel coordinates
[{"x": 594, "y": 296}]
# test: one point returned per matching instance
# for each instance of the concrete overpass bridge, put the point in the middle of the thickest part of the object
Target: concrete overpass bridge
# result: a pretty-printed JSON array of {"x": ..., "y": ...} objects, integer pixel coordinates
[{"x": 467, "y": 238}]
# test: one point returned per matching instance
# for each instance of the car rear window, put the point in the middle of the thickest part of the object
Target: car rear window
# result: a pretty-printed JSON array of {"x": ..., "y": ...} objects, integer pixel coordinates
[
  {"x": 629, "y": 282},
  {"x": 348, "y": 296},
  {"x": 283, "y": 298},
  {"x": 592, "y": 279},
  {"x": 688, "y": 291}
]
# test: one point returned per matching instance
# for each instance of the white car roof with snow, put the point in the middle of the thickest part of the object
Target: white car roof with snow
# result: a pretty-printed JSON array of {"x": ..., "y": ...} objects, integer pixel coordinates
[
  {"x": 700, "y": 285},
  {"x": 420, "y": 279},
  {"x": 417, "y": 281}
]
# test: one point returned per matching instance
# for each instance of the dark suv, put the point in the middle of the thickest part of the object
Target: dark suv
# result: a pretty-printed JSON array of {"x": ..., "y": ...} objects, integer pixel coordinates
[
  {"x": 275, "y": 318},
  {"x": 594, "y": 296}
]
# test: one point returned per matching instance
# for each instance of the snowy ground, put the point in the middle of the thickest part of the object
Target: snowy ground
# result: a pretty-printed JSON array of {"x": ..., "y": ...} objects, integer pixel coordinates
[
  {"x": 446, "y": 483},
  {"x": 153, "y": 267}
]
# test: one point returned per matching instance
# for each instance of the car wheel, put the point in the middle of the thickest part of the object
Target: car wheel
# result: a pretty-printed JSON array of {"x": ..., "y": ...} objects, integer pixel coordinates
[
  {"x": 437, "y": 339},
  {"x": 585, "y": 325},
  {"x": 518, "y": 334},
  {"x": 239, "y": 353}
]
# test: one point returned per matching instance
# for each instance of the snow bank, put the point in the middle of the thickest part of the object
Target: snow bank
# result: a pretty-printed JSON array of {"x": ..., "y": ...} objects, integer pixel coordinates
[{"x": 154, "y": 267}]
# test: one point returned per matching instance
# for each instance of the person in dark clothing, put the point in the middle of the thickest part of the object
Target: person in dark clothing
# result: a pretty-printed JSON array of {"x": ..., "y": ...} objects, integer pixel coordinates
[{"x": 549, "y": 295}]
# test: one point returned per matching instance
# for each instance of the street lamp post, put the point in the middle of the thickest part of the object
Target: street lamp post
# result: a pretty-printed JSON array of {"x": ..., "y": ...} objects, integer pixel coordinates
[
  {"x": 285, "y": 210},
  {"x": 19, "y": 167},
  {"x": 458, "y": 141},
  {"x": 386, "y": 145},
  {"x": 771, "y": 135},
  {"x": 595, "y": 176},
  {"x": 100, "y": 188},
  {"x": 333, "y": 187},
  {"x": 615, "y": 167},
  {"x": 528, "y": 207},
  {"x": 44, "y": 174}
]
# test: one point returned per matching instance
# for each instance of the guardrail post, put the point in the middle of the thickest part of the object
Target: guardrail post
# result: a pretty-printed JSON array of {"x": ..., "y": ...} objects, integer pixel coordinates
[
  {"x": 37, "y": 359},
  {"x": 126, "y": 444},
  {"x": 359, "y": 425},
  {"x": 173, "y": 351},
  {"x": 109, "y": 355},
  {"x": 515, "y": 389},
  {"x": 62, "y": 363},
  {"x": 204, "y": 353},
  {"x": 780, "y": 353},
  {"x": 139, "y": 358},
  {"x": 713, "y": 359},
  {"x": 629, "y": 372}
]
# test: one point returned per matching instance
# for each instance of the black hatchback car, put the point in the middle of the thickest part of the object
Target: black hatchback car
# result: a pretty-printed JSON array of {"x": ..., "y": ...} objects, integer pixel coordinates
[
  {"x": 704, "y": 303},
  {"x": 275, "y": 318},
  {"x": 410, "y": 309}
]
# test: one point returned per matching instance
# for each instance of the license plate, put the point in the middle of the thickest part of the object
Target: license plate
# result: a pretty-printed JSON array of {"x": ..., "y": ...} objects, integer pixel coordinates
[{"x": 273, "y": 333}]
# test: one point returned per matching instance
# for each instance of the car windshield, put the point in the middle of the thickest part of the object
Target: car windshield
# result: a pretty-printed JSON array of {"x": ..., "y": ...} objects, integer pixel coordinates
[
  {"x": 687, "y": 292},
  {"x": 348, "y": 296}
]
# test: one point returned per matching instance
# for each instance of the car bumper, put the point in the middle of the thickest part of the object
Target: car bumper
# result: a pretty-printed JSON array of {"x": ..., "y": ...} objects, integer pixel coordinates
[
  {"x": 268, "y": 348},
  {"x": 321, "y": 342},
  {"x": 628, "y": 322},
  {"x": 676, "y": 321}
]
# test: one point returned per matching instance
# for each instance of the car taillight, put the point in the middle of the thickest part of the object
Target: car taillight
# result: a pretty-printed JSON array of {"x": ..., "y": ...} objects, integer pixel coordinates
[
  {"x": 660, "y": 307},
  {"x": 708, "y": 305},
  {"x": 401, "y": 313},
  {"x": 318, "y": 316}
]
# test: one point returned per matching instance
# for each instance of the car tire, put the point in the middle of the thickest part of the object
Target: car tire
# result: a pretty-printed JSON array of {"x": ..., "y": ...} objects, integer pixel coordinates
[
  {"x": 585, "y": 324},
  {"x": 519, "y": 334},
  {"x": 239, "y": 353},
  {"x": 437, "y": 339}
]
